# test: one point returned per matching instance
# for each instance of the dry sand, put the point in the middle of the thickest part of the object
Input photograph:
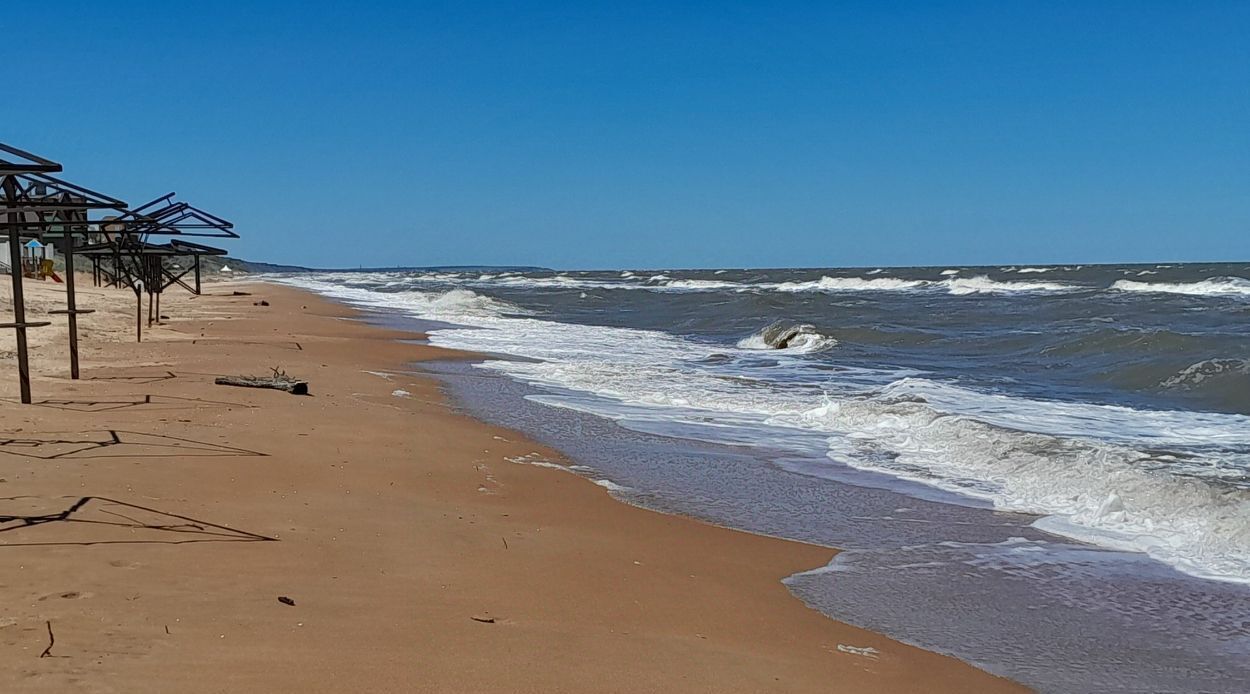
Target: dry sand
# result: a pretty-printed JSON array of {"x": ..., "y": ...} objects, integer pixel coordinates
[{"x": 153, "y": 519}]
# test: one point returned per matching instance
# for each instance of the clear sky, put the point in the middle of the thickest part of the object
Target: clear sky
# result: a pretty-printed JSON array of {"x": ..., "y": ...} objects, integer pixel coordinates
[{"x": 668, "y": 134}]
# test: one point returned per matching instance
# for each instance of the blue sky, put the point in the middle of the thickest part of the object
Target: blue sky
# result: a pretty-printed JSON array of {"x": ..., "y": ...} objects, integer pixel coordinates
[{"x": 599, "y": 135}]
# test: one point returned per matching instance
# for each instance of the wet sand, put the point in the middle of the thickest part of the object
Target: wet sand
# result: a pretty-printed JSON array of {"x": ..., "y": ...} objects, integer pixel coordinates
[{"x": 153, "y": 519}]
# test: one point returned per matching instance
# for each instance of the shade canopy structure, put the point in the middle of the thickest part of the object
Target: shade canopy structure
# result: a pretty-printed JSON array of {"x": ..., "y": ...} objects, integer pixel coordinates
[
  {"x": 37, "y": 206},
  {"x": 14, "y": 160},
  {"x": 129, "y": 261},
  {"x": 33, "y": 202},
  {"x": 126, "y": 256},
  {"x": 165, "y": 216}
]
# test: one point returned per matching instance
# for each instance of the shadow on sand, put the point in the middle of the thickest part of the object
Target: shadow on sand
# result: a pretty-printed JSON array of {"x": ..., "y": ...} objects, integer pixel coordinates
[
  {"x": 115, "y": 443},
  {"x": 146, "y": 401},
  {"x": 93, "y": 520},
  {"x": 137, "y": 379}
]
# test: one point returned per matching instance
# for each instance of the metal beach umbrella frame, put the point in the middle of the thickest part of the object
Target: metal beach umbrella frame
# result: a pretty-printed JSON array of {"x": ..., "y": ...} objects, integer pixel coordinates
[
  {"x": 137, "y": 261},
  {"x": 34, "y": 204}
]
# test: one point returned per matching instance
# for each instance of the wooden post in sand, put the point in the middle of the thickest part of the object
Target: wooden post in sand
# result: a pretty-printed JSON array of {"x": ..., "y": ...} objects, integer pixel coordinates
[
  {"x": 71, "y": 306},
  {"x": 19, "y": 323},
  {"x": 19, "y": 301},
  {"x": 138, "y": 310}
]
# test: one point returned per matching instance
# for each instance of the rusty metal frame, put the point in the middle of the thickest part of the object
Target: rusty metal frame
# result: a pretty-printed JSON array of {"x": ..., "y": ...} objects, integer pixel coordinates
[
  {"x": 45, "y": 206},
  {"x": 136, "y": 262},
  {"x": 35, "y": 204}
]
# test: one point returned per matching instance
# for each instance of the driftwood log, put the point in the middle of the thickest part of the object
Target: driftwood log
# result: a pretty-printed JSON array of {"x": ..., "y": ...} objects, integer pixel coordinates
[{"x": 278, "y": 381}]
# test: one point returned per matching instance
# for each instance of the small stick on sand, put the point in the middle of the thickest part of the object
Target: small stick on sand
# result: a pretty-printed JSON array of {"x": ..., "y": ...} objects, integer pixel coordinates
[{"x": 47, "y": 652}]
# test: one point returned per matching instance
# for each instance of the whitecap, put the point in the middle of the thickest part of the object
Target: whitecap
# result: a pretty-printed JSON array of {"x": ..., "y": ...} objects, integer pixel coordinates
[
  {"x": 847, "y": 284},
  {"x": 788, "y": 336},
  {"x": 1096, "y": 490},
  {"x": 984, "y": 285},
  {"x": 1215, "y": 286},
  {"x": 699, "y": 285}
]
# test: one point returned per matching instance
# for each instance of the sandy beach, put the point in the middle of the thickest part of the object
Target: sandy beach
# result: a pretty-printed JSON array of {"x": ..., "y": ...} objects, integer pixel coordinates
[{"x": 151, "y": 520}]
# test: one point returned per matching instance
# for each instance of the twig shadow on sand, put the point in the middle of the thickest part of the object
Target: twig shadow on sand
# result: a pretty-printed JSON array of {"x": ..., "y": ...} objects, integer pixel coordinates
[
  {"x": 281, "y": 344},
  {"x": 115, "y": 443},
  {"x": 145, "y": 401},
  {"x": 99, "y": 518},
  {"x": 137, "y": 379}
]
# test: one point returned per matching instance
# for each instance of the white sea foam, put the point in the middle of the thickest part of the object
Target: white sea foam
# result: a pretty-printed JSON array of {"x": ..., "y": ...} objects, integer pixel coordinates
[
  {"x": 862, "y": 651},
  {"x": 453, "y": 304},
  {"x": 984, "y": 285},
  {"x": 1165, "y": 483},
  {"x": 948, "y": 273},
  {"x": 1033, "y": 270},
  {"x": 1099, "y": 491},
  {"x": 847, "y": 284},
  {"x": 556, "y": 282},
  {"x": 612, "y": 486},
  {"x": 536, "y": 460},
  {"x": 1195, "y": 375},
  {"x": 1216, "y": 286},
  {"x": 788, "y": 337},
  {"x": 698, "y": 285}
]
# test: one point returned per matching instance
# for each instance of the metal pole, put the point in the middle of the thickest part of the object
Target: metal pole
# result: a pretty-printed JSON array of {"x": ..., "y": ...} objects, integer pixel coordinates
[
  {"x": 197, "y": 275},
  {"x": 19, "y": 300}
]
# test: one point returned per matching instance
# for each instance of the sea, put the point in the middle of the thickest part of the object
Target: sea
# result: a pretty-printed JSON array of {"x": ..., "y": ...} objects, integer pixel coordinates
[{"x": 1041, "y": 470}]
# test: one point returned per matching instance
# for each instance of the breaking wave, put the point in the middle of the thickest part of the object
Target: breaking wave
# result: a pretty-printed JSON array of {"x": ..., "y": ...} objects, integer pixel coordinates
[
  {"x": 1105, "y": 493},
  {"x": 1168, "y": 483},
  {"x": 984, "y": 285},
  {"x": 847, "y": 284},
  {"x": 1209, "y": 371},
  {"x": 787, "y": 335},
  {"x": 1217, "y": 286},
  {"x": 1221, "y": 382},
  {"x": 442, "y": 305},
  {"x": 699, "y": 285}
]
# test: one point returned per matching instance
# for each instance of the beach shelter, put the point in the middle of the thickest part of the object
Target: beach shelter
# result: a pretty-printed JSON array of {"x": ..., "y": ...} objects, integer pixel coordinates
[
  {"x": 36, "y": 207},
  {"x": 128, "y": 257}
]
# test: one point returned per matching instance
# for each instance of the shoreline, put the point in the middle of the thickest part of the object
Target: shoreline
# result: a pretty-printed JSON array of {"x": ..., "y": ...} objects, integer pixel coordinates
[{"x": 583, "y": 594}]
